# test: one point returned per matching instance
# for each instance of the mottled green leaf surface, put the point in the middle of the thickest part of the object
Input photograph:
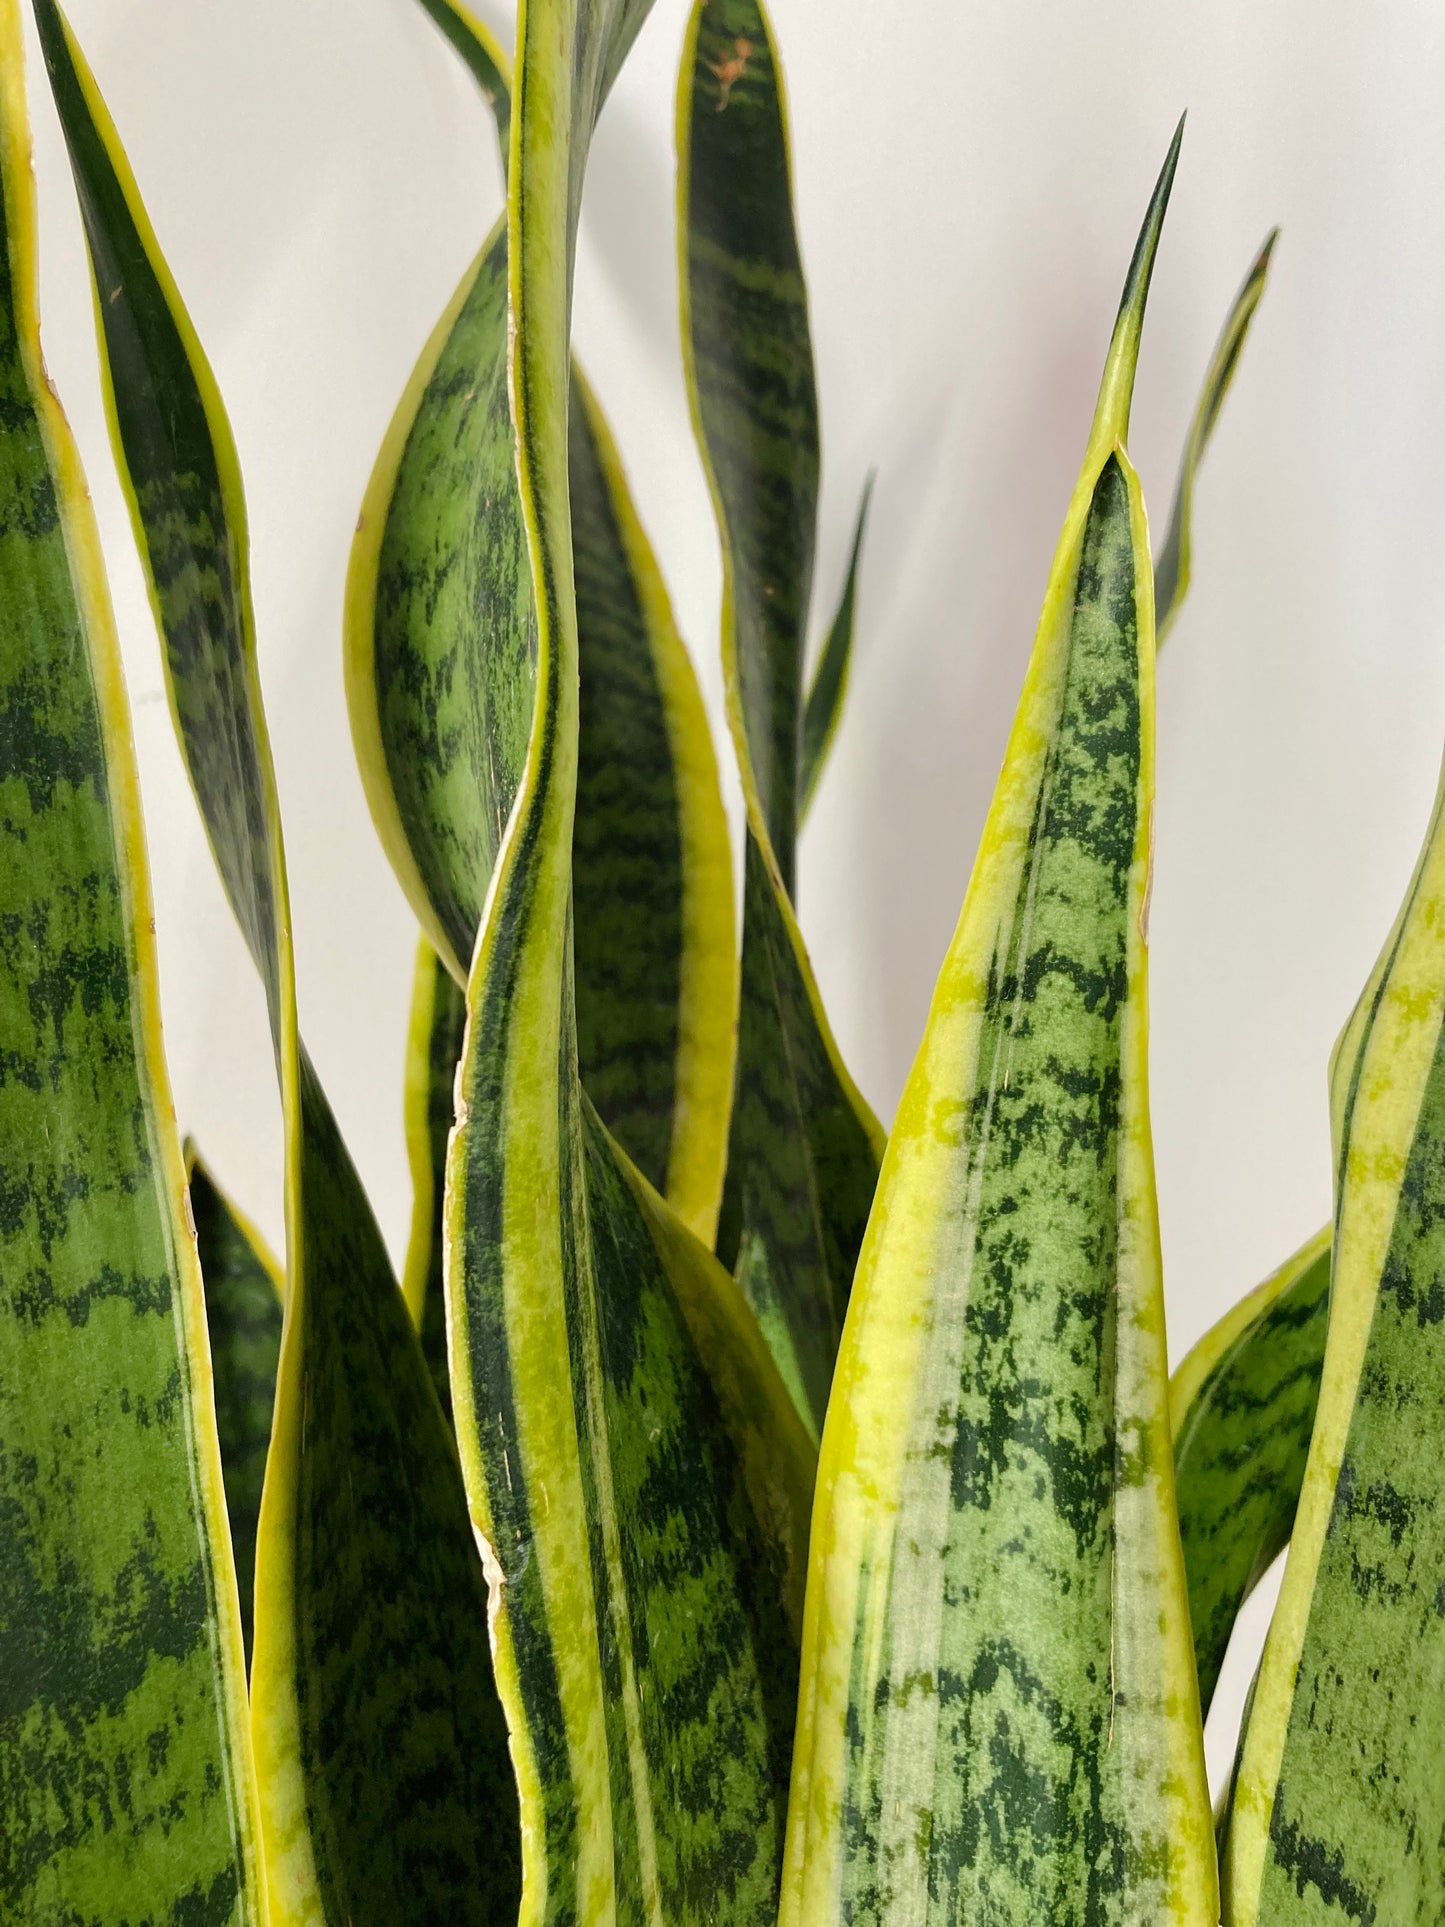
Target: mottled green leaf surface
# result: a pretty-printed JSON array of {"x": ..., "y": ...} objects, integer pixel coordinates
[
  {"x": 803, "y": 1148},
  {"x": 634, "y": 1463},
  {"x": 126, "y": 1786},
  {"x": 385, "y": 1786},
  {"x": 1172, "y": 566},
  {"x": 441, "y": 674},
  {"x": 829, "y": 686},
  {"x": 1242, "y": 1406},
  {"x": 244, "y": 1291},
  {"x": 1338, "y": 1809},
  {"x": 998, "y": 1718}
]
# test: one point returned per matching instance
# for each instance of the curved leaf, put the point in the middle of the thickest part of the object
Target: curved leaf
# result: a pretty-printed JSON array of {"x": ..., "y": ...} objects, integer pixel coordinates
[
  {"x": 1242, "y": 1406},
  {"x": 1338, "y": 1806},
  {"x": 804, "y": 1148},
  {"x": 643, "y": 1559},
  {"x": 998, "y": 1717},
  {"x": 245, "y": 1288},
  {"x": 829, "y": 686},
  {"x": 385, "y": 1786},
  {"x": 441, "y": 664},
  {"x": 489, "y": 66},
  {"x": 1172, "y": 567},
  {"x": 433, "y": 1051},
  {"x": 127, "y": 1788}
]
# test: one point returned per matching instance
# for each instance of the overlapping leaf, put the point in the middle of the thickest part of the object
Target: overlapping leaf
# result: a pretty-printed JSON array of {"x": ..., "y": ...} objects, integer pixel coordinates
[
  {"x": 245, "y": 1288},
  {"x": 998, "y": 1718},
  {"x": 1242, "y": 1406},
  {"x": 384, "y": 1778},
  {"x": 635, "y": 1467},
  {"x": 803, "y": 1149},
  {"x": 441, "y": 665},
  {"x": 434, "y": 1049},
  {"x": 1338, "y": 1806},
  {"x": 126, "y": 1783}
]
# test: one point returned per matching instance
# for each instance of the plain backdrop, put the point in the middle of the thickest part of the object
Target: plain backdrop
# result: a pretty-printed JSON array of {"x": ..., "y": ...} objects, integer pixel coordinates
[{"x": 969, "y": 179}]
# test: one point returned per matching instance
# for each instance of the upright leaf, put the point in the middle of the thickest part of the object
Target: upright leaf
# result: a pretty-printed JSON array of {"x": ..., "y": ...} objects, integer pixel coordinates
[
  {"x": 1338, "y": 1808},
  {"x": 434, "y": 1049},
  {"x": 803, "y": 1149},
  {"x": 829, "y": 686},
  {"x": 634, "y": 1465},
  {"x": 1242, "y": 1406},
  {"x": 1172, "y": 568},
  {"x": 245, "y": 1288},
  {"x": 385, "y": 1786},
  {"x": 127, "y": 1789},
  {"x": 998, "y": 1718},
  {"x": 439, "y": 620}
]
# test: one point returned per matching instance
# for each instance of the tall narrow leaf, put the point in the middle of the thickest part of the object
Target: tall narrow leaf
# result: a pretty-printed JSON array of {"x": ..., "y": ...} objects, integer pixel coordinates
[
  {"x": 998, "y": 1718},
  {"x": 1338, "y": 1807},
  {"x": 127, "y": 1789},
  {"x": 829, "y": 686},
  {"x": 385, "y": 1786},
  {"x": 803, "y": 1149},
  {"x": 633, "y": 1463},
  {"x": 434, "y": 1049}
]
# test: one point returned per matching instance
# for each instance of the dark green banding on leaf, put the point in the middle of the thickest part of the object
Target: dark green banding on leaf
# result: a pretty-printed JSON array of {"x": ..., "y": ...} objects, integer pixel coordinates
[
  {"x": 1172, "y": 567},
  {"x": 127, "y": 1790},
  {"x": 244, "y": 1290},
  {"x": 803, "y": 1147},
  {"x": 998, "y": 1719},
  {"x": 385, "y": 1786},
  {"x": 1242, "y": 1407},
  {"x": 829, "y": 686}
]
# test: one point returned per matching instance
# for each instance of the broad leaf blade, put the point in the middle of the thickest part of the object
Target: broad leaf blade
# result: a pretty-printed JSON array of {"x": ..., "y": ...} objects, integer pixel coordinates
[
  {"x": 998, "y": 1718},
  {"x": 1339, "y": 1799},
  {"x": 829, "y": 686},
  {"x": 1172, "y": 567},
  {"x": 643, "y": 1566},
  {"x": 1242, "y": 1406},
  {"x": 385, "y": 1786},
  {"x": 245, "y": 1288},
  {"x": 126, "y": 1783},
  {"x": 803, "y": 1149},
  {"x": 441, "y": 671}
]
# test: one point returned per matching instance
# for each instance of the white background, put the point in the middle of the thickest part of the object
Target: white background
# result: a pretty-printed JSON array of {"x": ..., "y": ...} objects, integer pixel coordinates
[{"x": 969, "y": 183}]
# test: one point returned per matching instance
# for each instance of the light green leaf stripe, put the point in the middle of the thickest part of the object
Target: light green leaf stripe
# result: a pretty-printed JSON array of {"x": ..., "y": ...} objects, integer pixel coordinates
[
  {"x": 245, "y": 1289},
  {"x": 385, "y": 1789},
  {"x": 1242, "y": 1406},
  {"x": 1172, "y": 568},
  {"x": 127, "y": 1789},
  {"x": 1339, "y": 1802},
  {"x": 829, "y": 686},
  {"x": 439, "y": 618},
  {"x": 998, "y": 1718},
  {"x": 643, "y": 1561},
  {"x": 433, "y": 1051},
  {"x": 803, "y": 1148}
]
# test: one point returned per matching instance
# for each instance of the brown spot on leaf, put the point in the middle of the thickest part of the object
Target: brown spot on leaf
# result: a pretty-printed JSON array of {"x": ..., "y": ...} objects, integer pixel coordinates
[{"x": 730, "y": 69}]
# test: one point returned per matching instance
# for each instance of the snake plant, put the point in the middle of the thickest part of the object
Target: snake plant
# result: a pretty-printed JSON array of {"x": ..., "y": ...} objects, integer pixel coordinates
[{"x": 733, "y": 1514}]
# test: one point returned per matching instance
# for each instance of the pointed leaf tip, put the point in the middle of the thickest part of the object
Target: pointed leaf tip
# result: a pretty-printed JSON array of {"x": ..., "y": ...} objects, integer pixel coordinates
[{"x": 1111, "y": 417}]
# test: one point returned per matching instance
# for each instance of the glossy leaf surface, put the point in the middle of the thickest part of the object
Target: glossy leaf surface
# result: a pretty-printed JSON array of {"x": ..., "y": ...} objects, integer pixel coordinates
[
  {"x": 998, "y": 1718},
  {"x": 126, "y": 1784},
  {"x": 1242, "y": 1406},
  {"x": 384, "y": 1778},
  {"x": 245, "y": 1288},
  {"x": 803, "y": 1148},
  {"x": 634, "y": 1465},
  {"x": 441, "y": 672},
  {"x": 1338, "y": 1809}
]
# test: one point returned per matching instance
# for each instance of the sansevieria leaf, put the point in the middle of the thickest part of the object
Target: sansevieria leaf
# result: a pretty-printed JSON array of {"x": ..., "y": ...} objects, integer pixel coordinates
[
  {"x": 998, "y": 1718},
  {"x": 433, "y": 1051},
  {"x": 804, "y": 1148},
  {"x": 636, "y": 1470},
  {"x": 126, "y": 1785},
  {"x": 1242, "y": 1406},
  {"x": 1338, "y": 1808},
  {"x": 439, "y": 619},
  {"x": 824, "y": 706},
  {"x": 245, "y": 1289},
  {"x": 1172, "y": 567},
  {"x": 385, "y": 1787}
]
